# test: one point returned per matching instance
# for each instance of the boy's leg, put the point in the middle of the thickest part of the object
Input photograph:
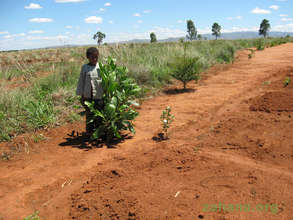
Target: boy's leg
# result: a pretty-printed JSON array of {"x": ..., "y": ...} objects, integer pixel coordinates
[
  {"x": 99, "y": 104},
  {"x": 88, "y": 116}
]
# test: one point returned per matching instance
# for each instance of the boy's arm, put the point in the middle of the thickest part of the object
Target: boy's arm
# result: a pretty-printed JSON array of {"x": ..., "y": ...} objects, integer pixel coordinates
[{"x": 81, "y": 82}]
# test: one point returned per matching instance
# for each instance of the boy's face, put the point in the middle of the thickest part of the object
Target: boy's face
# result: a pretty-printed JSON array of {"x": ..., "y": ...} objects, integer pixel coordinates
[{"x": 93, "y": 58}]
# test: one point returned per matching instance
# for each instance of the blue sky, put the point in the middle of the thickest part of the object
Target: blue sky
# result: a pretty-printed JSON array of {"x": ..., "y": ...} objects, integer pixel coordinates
[{"x": 26, "y": 24}]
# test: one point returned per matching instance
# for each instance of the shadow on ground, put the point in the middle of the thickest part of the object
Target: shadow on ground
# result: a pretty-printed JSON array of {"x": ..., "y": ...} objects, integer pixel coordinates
[
  {"x": 178, "y": 91},
  {"x": 160, "y": 137},
  {"x": 84, "y": 141}
]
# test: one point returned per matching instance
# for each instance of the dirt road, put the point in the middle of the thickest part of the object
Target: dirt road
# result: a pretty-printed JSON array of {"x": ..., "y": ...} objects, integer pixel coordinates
[{"x": 229, "y": 156}]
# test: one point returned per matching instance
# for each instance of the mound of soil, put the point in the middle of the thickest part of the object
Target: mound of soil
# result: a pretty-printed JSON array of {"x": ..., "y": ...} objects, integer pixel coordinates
[{"x": 273, "y": 101}]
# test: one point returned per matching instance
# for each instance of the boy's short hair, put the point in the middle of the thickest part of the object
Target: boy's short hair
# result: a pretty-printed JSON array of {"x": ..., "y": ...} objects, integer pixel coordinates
[{"x": 91, "y": 50}]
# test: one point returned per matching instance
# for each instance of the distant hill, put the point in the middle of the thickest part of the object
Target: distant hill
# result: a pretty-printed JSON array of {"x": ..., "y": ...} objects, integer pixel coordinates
[{"x": 226, "y": 36}]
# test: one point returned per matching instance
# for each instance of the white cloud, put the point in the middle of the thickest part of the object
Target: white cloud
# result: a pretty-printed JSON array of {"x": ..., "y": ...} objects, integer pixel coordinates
[
  {"x": 283, "y": 28},
  {"x": 283, "y": 15},
  {"x": 101, "y": 9},
  {"x": 33, "y": 6},
  {"x": 107, "y": 4},
  {"x": 275, "y": 7},
  {"x": 136, "y": 14},
  {"x": 180, "y": 21},
  {"x": 163, "y": 33},
  {"x": 234, "y": 18},
  {"x": 286, "y": 19},
  {"x": 67, "y": 1},
  {"x": 41, "y": 20},
  {"x": 68, "y": 27},
  {"x": 281, "y": 0},
  {"x": 93, "y": 20},
  {"x": 4, "y": 32},
  {"x": 139, "y": 21},
  {"x": 110, "y": 22},
  {"x": 10, "y": 36},
  {"x": 260, "y": 11},
  {"x": 36, "y": 32},
  {"x": 147, "y": 11},
  {"x": 58, "y": 37},
  {"x": 30, "y": 41}
]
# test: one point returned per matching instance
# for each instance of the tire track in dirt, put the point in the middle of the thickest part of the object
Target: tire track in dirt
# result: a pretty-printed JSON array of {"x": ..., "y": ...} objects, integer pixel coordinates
[{"x": 248, "y": 162}]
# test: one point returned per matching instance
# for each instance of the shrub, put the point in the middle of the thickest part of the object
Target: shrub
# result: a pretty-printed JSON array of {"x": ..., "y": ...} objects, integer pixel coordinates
[
  {"x": 119, "y": 93},
  {"x": 287, "y": 81},
  {"x": 186, "y": 69},
  {"x": 260, "y": 44},
  {"x": 252, "y": 52},
  {"x": 40, "y": 111},
  {"x": 226, "y": 54}
]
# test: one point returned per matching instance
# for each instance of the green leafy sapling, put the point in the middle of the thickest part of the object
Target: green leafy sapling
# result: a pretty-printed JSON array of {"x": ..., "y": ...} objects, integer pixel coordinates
[
  {"x": 120, "y": 93},
  {"x": 287, "y": 81},
  {"x": 166, "y": 119},
  {"x": 252, "y": 52},
  {"x": 34, "y": 216}
]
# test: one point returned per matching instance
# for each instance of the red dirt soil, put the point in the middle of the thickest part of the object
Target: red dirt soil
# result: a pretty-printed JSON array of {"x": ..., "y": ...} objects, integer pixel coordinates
[{"x": 231, "y": 143}]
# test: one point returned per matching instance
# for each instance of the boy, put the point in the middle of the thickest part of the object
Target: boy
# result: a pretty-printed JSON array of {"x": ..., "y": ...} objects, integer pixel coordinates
[{"x": 90, "y": 86}]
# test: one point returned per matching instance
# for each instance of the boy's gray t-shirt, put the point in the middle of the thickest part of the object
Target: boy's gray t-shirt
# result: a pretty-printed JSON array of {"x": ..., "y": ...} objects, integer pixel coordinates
[{"x": 90, "y": 82}]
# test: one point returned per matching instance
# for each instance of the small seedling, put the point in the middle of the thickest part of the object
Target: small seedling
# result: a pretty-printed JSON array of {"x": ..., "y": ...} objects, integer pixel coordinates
[
  {"x": 5, "y": 156},
  {"x": 166, "y": 119},
  {"x": 34, "y": 216},
  {"x": 252, "y": 51},
  {"x": 195, "y": 149},
  {"x": 266, "y": 83},
  {"x": 287, "y": 81},
  {"x": 38, "y": 137}
]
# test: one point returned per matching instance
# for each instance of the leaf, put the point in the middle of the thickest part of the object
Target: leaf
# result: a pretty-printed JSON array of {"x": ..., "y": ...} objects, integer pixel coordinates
[
  {"x": 97, "y": 133},
  {"x": 110, "y": 110},
  {"x": 134, "y": 103},
  {"x": 114, "y": 101}
]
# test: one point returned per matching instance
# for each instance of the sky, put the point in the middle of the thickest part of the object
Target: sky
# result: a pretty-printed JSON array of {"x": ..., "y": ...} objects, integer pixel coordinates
[{"x": 27, "y": 24}]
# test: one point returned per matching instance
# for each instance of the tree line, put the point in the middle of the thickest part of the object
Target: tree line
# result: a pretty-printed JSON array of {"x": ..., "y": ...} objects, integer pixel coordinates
[{"x": 192, "y": 32}]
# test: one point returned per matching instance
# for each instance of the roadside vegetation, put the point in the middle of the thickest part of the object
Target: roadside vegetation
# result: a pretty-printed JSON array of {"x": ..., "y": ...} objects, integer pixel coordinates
[{"x": 46, "y": 79}]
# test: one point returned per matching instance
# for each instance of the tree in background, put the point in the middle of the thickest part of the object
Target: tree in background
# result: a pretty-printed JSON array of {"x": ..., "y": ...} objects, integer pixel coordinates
[
  {"x": 264, "y": 28},
  {"x": 199, "y": 36},
  {"x": 100, "y": 36},
  {"x": 153, "y": 37},
  {"x": 191, "y": 30},
  {"x": 216, "y": 30}
]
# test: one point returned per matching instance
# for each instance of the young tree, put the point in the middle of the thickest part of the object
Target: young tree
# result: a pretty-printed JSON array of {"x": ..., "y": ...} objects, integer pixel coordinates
[
  {"x": 186, "y": 69},
  {"x": 100, "y": 36},
  {"x": 153, "y": 37},
  {"x": 199, "y": 36},
  {"x": 264, "y": 28},
  {"x": 216, "y": 30},
  {"x": 191, "y": 30}
]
